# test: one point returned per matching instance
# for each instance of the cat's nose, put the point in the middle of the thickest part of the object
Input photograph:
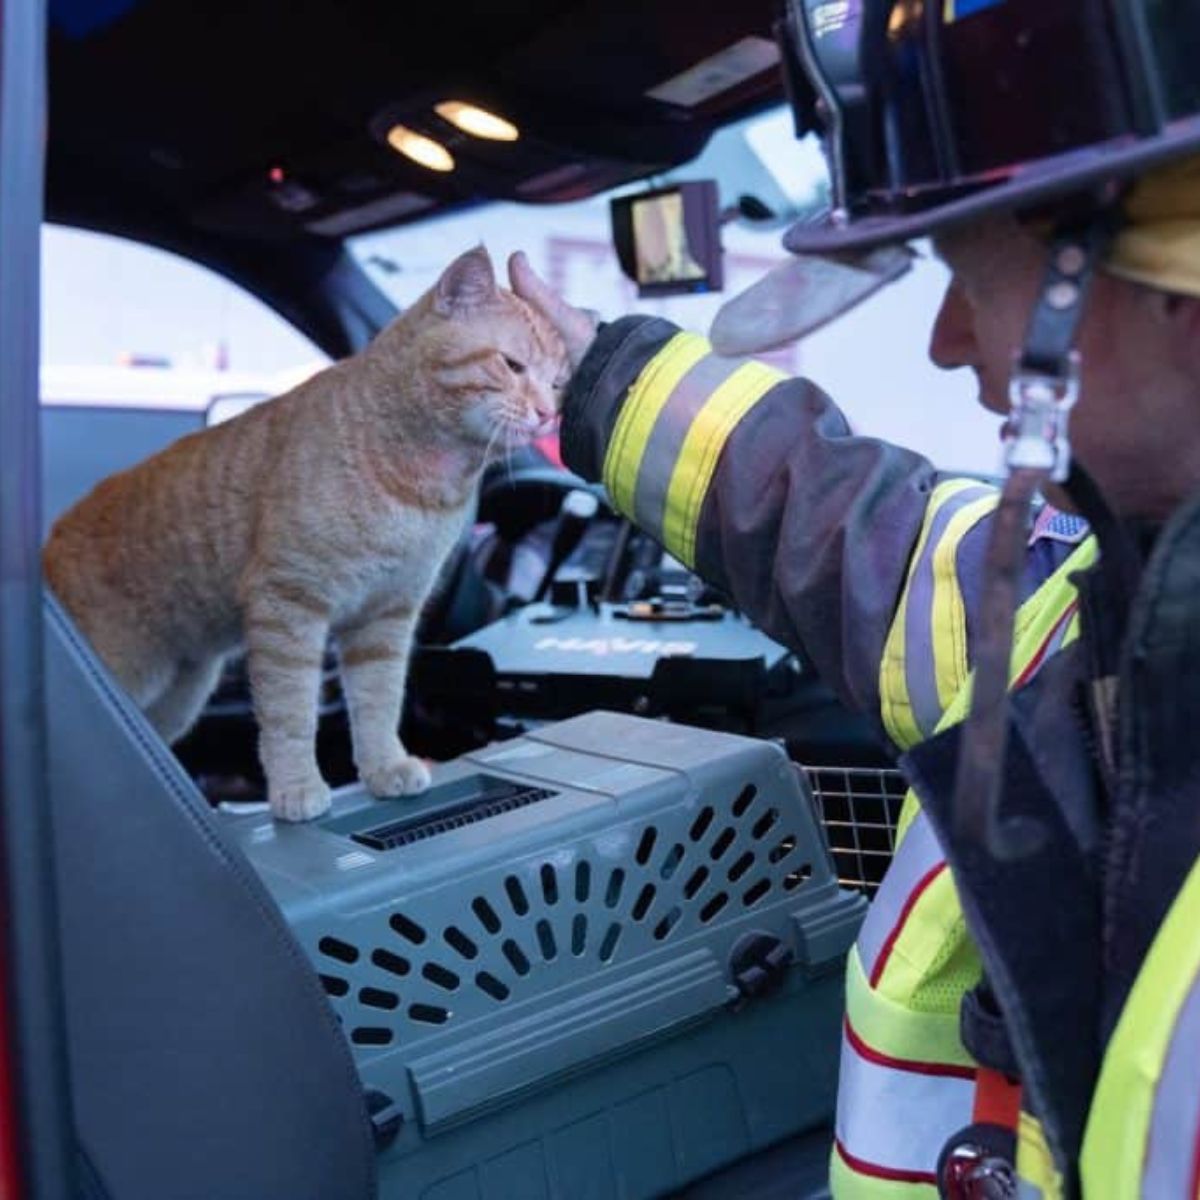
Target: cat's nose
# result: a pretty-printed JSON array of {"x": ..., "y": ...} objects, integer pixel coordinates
[{"x": 545, "y": 414}]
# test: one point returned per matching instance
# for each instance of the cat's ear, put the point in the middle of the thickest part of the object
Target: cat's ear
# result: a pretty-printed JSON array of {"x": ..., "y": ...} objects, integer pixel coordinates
[{"x": 467, "y": 283}]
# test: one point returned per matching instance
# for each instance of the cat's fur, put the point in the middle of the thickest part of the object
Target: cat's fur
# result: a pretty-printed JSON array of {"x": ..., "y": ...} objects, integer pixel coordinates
[{"x": 328, "y": 509}]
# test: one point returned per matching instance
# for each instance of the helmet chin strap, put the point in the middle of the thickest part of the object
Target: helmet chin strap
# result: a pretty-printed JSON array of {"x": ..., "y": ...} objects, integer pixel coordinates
[{"x": 1043, "y": 389}]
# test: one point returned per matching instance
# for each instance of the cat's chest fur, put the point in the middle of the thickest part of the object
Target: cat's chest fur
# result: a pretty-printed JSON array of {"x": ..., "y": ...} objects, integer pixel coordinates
[{"x": 395, "y": 559}]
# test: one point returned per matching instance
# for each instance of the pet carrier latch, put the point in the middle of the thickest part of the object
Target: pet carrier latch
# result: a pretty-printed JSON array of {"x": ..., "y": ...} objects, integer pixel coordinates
[
  {"x": 386, "y": 1117},
  {"x": 758, "y": 964}
]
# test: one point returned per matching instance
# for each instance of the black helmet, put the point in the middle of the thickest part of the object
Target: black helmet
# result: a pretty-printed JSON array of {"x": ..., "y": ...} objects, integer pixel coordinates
[{"x": 935, "y": 112}]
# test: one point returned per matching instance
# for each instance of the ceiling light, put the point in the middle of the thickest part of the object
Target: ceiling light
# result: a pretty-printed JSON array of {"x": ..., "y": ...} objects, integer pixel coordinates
[
  {"x": 478, "y": 122},
  {"x": 420, "y": 149}
]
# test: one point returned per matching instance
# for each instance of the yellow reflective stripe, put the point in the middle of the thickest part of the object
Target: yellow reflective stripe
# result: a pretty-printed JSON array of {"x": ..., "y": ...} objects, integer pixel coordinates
[
  {"x": 1034, "y": 622},
  {"x": 706, "y": 438},
  {"x": 949, "y": 615},
  {"x": 889, "y": 1024},
  {"x": 895, "y": 707},
  {"x": 1114, "y": 1144},
  {"x": 646, "y": 399},
  {"x": 1043, "y": 610},
  {"x": 1035, "y": 1163}
]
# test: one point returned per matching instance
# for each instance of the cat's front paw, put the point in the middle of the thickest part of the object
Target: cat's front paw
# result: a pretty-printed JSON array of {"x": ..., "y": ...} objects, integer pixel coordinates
[
  {"x": 299, "y": 801},
  {"x": 403, "y": 777}
]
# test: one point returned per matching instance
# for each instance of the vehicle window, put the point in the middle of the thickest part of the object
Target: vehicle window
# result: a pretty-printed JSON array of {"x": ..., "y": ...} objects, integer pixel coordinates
[
  {"x": 141, "y": 347},
  {"x": 128, "y": 325},
  {"x": 913, "y": 403}
]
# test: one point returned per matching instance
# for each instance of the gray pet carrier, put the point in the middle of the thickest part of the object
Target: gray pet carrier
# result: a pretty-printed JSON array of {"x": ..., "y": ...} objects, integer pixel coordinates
[{"x": 600, "y": 960}]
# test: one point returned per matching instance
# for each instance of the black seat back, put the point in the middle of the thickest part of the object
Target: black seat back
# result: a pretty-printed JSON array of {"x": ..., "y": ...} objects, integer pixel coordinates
[{"x": 206, "y": 1063}]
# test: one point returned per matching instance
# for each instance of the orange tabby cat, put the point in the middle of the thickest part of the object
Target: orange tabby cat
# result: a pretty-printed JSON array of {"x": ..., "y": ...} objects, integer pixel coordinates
[{"x": 328, "y": 509}]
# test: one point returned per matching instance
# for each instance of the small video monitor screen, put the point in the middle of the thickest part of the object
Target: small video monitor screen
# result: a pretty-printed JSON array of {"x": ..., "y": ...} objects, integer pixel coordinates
[{"x": 668, "y": 241}]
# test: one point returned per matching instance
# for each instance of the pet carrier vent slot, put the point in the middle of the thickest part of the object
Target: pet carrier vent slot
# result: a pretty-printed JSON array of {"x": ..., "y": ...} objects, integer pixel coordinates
[
  {"x": 387, "y": 961},
  {"x": 739, "y": 868},
  {"x": 723, "y": 842},
  {"x": 782, "y": 850},
  {"x": 549, "y": 884},
  {"x": 713, "y": 907},
  {"x": 671, "y": 862},
  {"x": 700, "y": 824},
  {"x": 646, "y": 846},
  {"x": 487, "y": 796},
  {"x": 408, "y": 929},
  {"x": 333, "y": 985},
  {"x": 516, "y": 956},
  {"x": 744, "y": 800},
  {"x": 378, "y": 998},
  {"x": 440, "y": 977},
  {"x": 428, "y": 1014},
  {"x": 664, "y": 927},
  {"x": 795, "y": 878},
  {"x": 578, "y": 935},
  {"x": 516, "y": 895},
  {"x": 545, "y": 936},
  {"x": 608, "y": 947},
  {"x": 333, "y": 947},
  {"x": 612, "y": 897},
  {"x": 486, "y": 914},
  {"x": 765, "y": 823},
  {"x": 641, "y": 906},
  {"x": 370, "y": 1035},
  {"x": 460, "y": 943},
  {"x": 695, "y": 882},
  {"x": 583, "y": 881},
  {"x": 492, "y": 986},
  {"x": 756, "y": 893}
]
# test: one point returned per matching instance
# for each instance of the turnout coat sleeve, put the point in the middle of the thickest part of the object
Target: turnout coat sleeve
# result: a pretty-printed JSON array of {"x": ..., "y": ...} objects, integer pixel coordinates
[{"x": 755, "y": 480}]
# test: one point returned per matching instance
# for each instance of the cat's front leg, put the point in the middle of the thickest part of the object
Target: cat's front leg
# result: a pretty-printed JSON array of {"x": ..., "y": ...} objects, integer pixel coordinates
[
  {"x": 374, "y": 659},
  {"x": 286, "y": 629}
]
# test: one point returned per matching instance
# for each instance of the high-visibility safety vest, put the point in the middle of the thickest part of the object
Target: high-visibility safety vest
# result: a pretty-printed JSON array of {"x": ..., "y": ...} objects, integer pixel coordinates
[{"x": 907, "y": 1083}]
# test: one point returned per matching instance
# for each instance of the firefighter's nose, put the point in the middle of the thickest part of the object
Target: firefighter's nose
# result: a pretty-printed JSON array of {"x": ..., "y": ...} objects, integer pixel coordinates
[{"x": 952, "y": 343}]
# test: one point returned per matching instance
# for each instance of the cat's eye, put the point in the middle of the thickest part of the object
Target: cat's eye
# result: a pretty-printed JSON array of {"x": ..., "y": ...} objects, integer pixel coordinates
[{"x": 517, "y": 368}]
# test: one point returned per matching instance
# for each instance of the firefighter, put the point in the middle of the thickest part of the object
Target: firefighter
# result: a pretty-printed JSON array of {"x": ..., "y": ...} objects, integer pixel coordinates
[{"x": 1023, "y": 1003}]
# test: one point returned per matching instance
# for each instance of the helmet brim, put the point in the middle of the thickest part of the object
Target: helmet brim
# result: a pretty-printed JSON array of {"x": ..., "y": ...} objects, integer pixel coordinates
[{"x": 1029, "y": 186}]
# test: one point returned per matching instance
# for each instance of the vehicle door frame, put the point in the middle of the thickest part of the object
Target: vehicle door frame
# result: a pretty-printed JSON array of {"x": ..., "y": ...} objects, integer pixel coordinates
[{"x": 36, "y": 1137}]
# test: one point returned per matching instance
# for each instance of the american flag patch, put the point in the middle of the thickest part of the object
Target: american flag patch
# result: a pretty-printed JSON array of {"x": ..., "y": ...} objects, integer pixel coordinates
[{"x": 1054, "y": 525}]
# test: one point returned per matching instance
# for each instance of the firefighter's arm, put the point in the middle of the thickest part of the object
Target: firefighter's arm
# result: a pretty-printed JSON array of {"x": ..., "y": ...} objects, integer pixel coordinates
[{"x": 754, "y": 480}]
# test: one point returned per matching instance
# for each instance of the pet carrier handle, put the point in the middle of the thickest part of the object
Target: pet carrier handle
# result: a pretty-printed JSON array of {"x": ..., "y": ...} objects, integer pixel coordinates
[{"x": 492, "y": 1069}]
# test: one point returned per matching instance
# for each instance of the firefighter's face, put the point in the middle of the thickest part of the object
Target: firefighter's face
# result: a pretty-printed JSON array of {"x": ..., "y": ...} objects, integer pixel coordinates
[
  {"x": 995, "y": 269},
  {"x": 1140, "y": 348}
]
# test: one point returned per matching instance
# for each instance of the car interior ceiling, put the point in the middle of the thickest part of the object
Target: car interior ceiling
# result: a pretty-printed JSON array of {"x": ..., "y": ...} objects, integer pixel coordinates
[{"x": 231, "y": 131}]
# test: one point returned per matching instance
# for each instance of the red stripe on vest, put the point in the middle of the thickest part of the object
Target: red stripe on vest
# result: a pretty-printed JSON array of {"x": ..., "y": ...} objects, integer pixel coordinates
[
  {"x": 1031, "y": 667},
  {"x": 880, "y": 1172},
  {"x": 913, "y": 896},
  {"x": 914, "y": 1066}
]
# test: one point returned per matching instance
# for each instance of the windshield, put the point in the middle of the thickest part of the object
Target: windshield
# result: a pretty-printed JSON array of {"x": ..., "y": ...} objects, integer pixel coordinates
[{"x": 906, "y": 401}]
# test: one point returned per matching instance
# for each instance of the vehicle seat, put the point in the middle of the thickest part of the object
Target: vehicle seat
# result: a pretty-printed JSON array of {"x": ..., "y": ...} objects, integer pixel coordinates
[{"x": 206, "y": 1063}]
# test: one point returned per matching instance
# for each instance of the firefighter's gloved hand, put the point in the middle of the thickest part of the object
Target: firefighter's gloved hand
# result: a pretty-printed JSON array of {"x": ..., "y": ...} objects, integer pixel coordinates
[{"x": 577, "y": 326}]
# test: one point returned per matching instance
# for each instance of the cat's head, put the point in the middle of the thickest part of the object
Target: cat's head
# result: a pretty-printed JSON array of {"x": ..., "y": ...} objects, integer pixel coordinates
[{"x": 492, "y": 367}]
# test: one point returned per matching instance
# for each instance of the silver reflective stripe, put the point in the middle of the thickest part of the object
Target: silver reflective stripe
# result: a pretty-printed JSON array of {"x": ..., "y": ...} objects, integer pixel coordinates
[
  {"x": 893, "y": 1120},
  {"x": 920, "y": 668},
  {"x": 1028, "y": 1191},
  {"x": 666, "y": 439},
  {"x": 1173, "y": 1141},
  {"x": 919, "y": 853}
]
